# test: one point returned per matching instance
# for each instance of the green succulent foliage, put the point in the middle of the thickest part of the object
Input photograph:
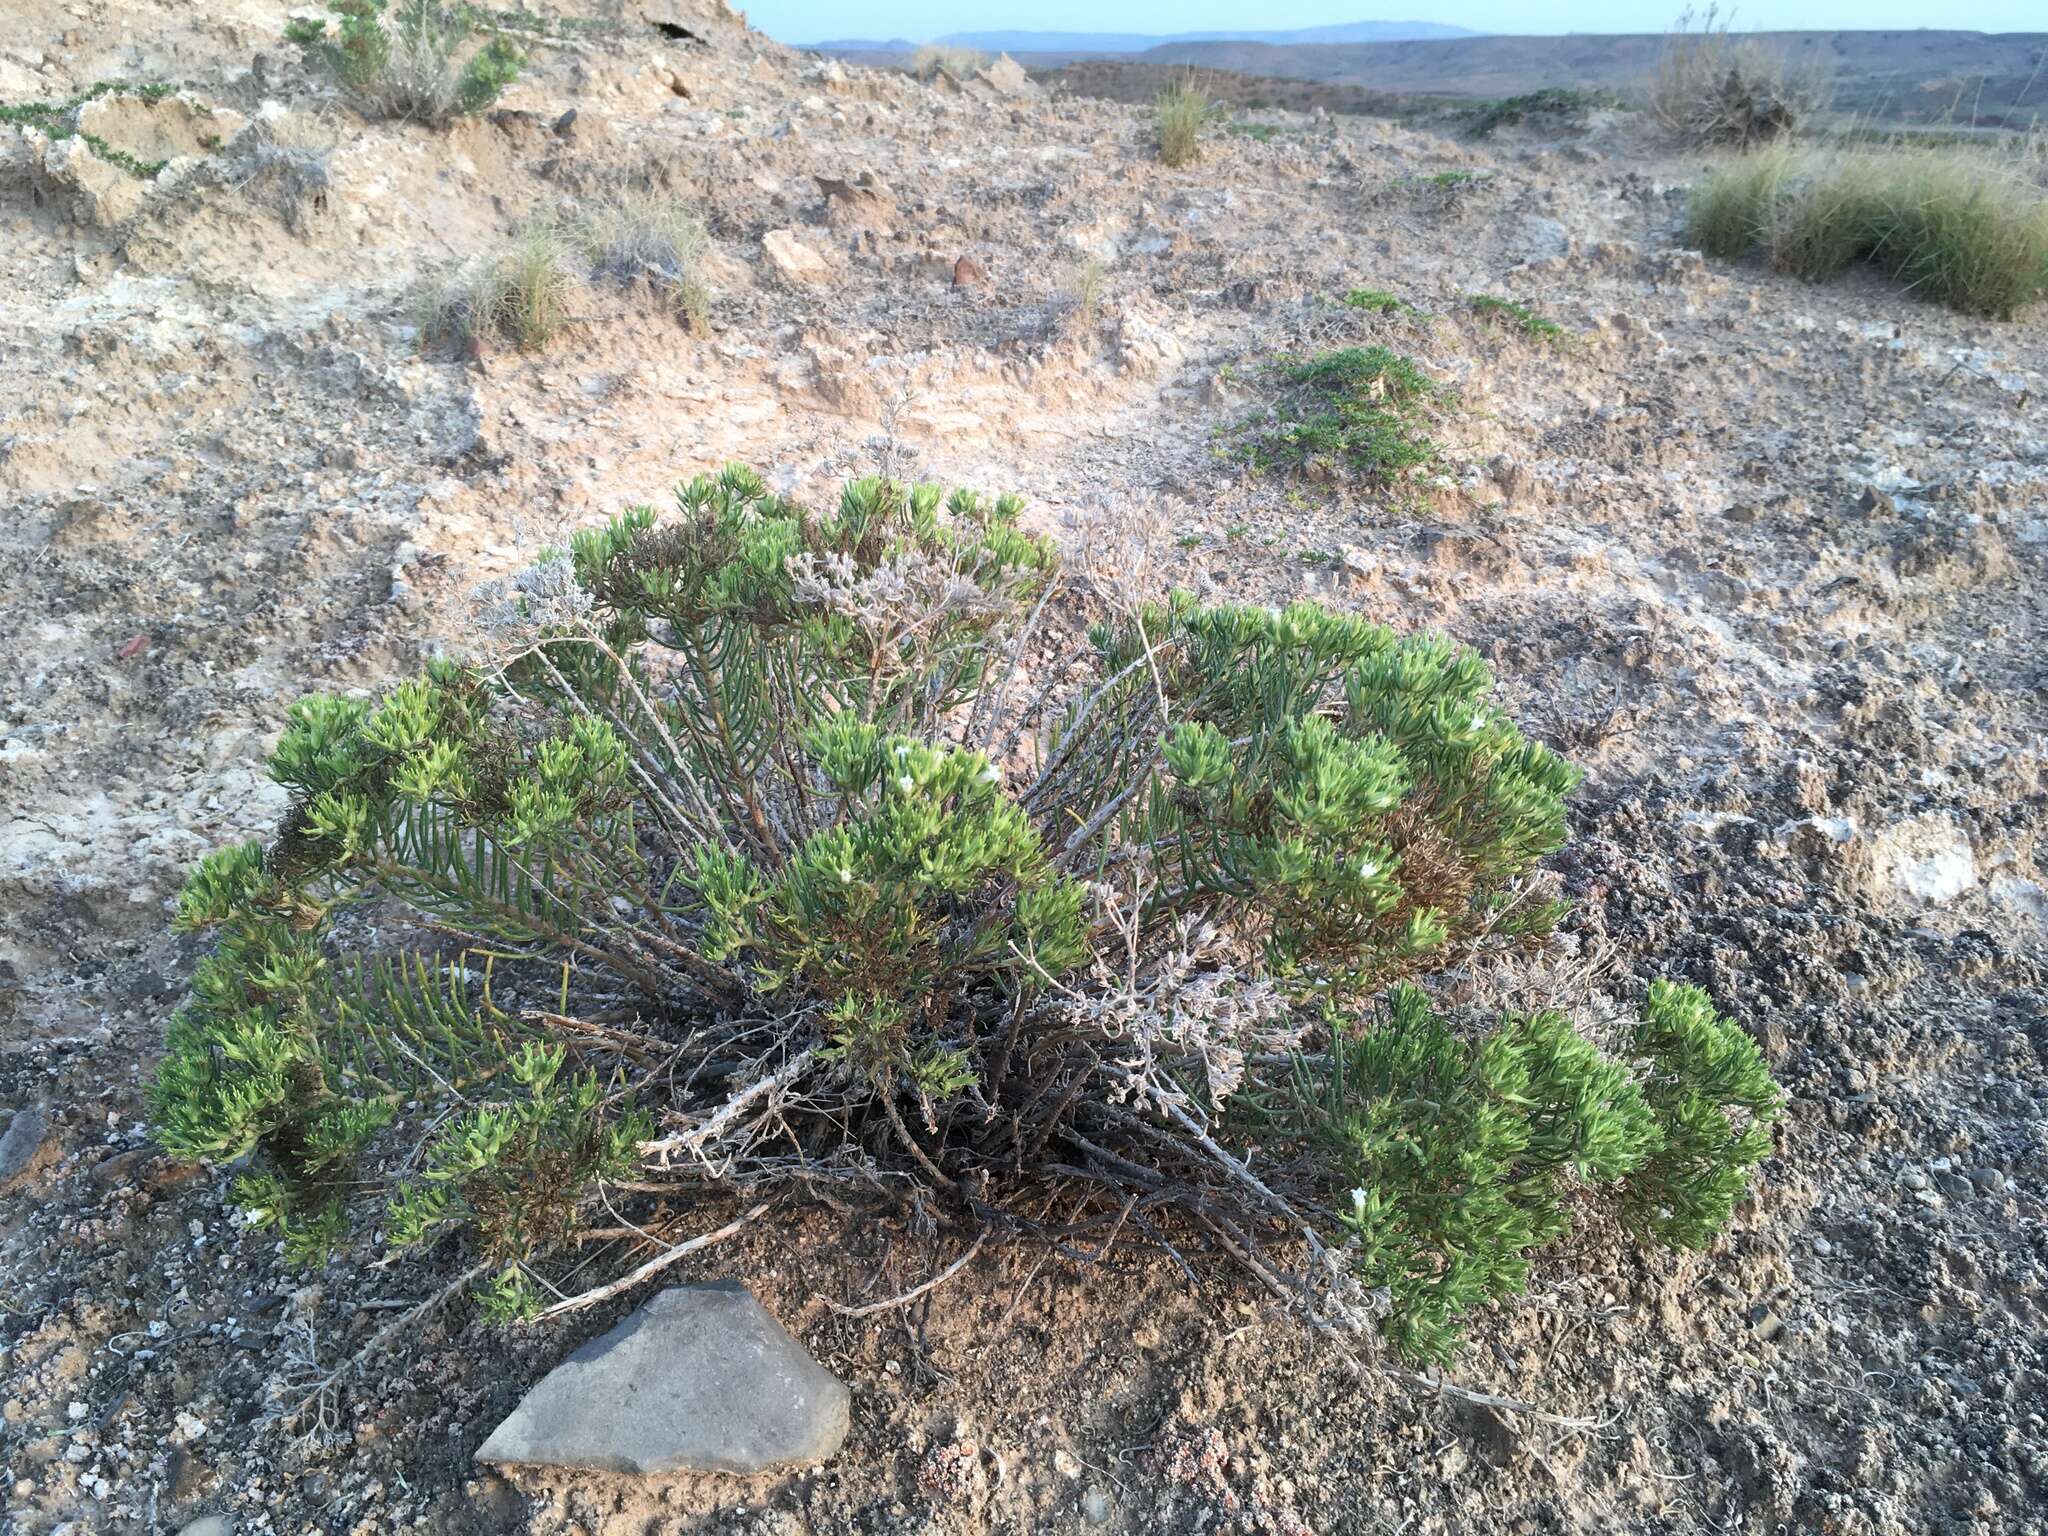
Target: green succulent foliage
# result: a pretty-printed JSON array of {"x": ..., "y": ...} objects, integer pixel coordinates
[
  {"x": 1520, "y": 317},
  {"x": 741, "y": 783},
  {"x": 929, "y": 885},
  {"x": 1714, "y": 1102},
  {"x": 402, "y": 57},
  {"x": 513, "y": 1168},
  {"x": 1358, "y": 414},
  {"x": 1461, "y": 1151},
  {"x": 1352, "y": 794}
]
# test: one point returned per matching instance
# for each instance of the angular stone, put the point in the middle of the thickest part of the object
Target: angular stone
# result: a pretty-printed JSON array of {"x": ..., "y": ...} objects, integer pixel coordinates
[
  {"x": 701, "y": 1378},
  {"x": 1008, "y": 78},
  {"x": 23, "y": 1146},
  {"x": 791, "y": 257}
]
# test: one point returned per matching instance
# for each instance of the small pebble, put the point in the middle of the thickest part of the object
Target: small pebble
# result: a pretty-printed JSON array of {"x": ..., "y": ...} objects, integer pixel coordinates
[{"x": 1823, "y": 1247}]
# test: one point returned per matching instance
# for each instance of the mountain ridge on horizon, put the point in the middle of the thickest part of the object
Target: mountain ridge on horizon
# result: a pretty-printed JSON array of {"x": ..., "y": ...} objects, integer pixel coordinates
[{"x": 1019, "y": 40}]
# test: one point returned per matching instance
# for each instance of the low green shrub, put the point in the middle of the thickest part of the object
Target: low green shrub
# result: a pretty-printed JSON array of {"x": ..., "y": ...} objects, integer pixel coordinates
[
  {"x": 1519, "y": 316},
  {"x": 734, "y": 874},
  {"x": 1359, "y": 414},
  {"x": 1377, "y": 301},
  {"x": 410, "y": 59},
  {"x": 1564, "y": 103},
  {"x": 1179, "y": 113},
  {"x": 1956, "y": 224},
  {"x": 59, "y": 120}
]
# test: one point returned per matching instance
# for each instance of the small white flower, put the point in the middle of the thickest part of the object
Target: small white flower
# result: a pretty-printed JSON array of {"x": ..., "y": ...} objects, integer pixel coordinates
[
  {"x": 902, "y": 749},
  {"x": 1367, "y": 869},
  {"x": 988, "y": 774},
  {"x": 1478, "y": 719},
  {"x": 846, "y": 877},
  {"x": 1358, "y": 1203},
  {"x": 906, "y": 783}
]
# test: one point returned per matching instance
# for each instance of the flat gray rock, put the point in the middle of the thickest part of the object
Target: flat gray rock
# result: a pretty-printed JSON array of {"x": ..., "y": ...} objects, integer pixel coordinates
[
  {"x": 702, "y": 1378},
  {"x": 21, "y": 1145}
]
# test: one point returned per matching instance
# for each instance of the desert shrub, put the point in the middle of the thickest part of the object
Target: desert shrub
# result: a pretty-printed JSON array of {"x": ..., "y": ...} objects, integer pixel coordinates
[
  {"x": 735, "y": 873},
  {"x": 646, "y": 237},
  {"x": 935, "y": 59},
  {"x": 1376, "y": 301},
  {"x": 520, "y": 294},
  {"x": 1178, "y": 115},
  {"x": 1958, "y": 225},
  {"x": 1561, "y": 103},
  {"x": 1711, "y": 87},
  {"x": 409, "y": 60},
  {"x": 59, "y": 120},
  {"x": 1360, "y": 413},
  {"x": 1517, "y": 316}
]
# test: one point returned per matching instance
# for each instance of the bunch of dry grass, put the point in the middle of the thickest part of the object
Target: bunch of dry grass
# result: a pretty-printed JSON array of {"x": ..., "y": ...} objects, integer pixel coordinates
[
  {"x": 522, "y": 294},
  {"x": 1964, "y": 225},
  {"x": 646, "y": 236},
  {"x": 1711, "y": 87},
  {"x": 1179, "y": 112}
]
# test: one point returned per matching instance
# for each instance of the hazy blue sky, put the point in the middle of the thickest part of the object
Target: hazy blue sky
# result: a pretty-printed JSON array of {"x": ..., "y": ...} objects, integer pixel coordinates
[{"x": 806, "y": 21}]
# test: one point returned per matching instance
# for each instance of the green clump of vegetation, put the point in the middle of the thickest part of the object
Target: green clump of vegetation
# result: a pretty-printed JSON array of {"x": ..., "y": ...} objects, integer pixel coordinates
[
  {"x": 410, "y": 59},
  {"x": 1957, "y": 224},
  {"x": 1377, "y": 301},
  {"x": 1263, "y": 133},
  {"x": 1521, "y": 317},
  {"x": 1179, "y": 113},
  {"x": 749, "y": 866},
  {"x": 59, "y": 120},
  {"x": 1464, "y": 1149},
  {"x": 1552, "y": 101},
  {"x": 1358, "y": 414}
]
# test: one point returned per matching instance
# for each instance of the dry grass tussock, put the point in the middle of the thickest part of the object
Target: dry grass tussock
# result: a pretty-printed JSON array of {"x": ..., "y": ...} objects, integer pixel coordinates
[
  {"x": 1713, "y": 87},
  {"x": 525, "y": 292},
  {"x": 643, "y": 236},
  {"x": 1180, "y": 112},
  {"x": 1965, "y": 225},
  {"x": 522, "y": 294}
]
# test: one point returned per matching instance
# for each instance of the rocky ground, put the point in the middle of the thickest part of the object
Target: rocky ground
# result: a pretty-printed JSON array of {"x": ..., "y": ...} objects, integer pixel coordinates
[{"x": 1766, "y": 559}]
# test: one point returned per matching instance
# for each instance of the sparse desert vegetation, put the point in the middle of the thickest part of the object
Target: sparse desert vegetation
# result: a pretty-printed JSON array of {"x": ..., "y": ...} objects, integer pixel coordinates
[
  {"x": 521, "y": 294},
  {"x": 1713, "y": 86},
  {"x": 1958, "y": 224},
  {"x": 412, "y": 59},
  {"x": 1356, "y": 414},
  {"x": 1517, "y": 316},
  {"x": 652, "y": 238},
  {"x": 902, "y": 935},
  {"x": 1179, "y": 114},
  {"x": 1419, "y": 931}
]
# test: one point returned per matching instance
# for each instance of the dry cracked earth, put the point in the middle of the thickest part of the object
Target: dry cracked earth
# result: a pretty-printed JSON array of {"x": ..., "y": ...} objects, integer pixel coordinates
[{"x": 1766, "y": 559}]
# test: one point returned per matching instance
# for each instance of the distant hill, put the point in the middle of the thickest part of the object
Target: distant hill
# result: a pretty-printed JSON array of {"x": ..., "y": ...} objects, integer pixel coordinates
[
  {"x": 1905, "y": 75},
  {"x": 1051, "y": 48}
]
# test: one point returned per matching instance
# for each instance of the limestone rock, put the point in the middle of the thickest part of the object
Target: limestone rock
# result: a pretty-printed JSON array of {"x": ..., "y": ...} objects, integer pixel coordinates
[
  {"x": 1008, "y": 78},
  {"x": 701, "y": 1378},
  {"x": 791, "y": 257},
  {"x": 99, "y": 192}
]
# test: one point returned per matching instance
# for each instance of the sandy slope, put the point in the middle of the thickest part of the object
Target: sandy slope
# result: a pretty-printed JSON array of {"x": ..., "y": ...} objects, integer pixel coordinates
[{"x": 1766, "y": 559}]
